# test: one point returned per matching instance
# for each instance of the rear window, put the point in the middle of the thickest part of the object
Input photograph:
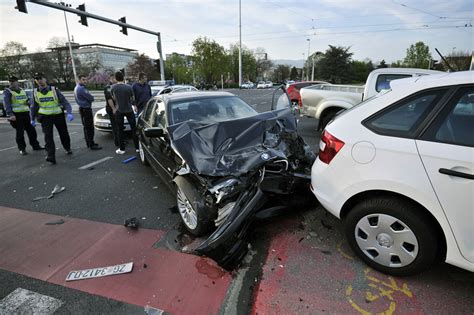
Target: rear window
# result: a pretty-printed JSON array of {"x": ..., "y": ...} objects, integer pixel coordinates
[
  {"x": 210, "y": 110},
  {"x": 404, "y": 118},
  {"x": 383, "y": 80}
]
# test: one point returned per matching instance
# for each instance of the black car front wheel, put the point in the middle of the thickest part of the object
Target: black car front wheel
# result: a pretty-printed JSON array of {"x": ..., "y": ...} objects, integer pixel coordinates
[
  {"x": 195, "y": 218},
  {"x": 392, "y": 236},
  {"x": 141, "y": 152}
]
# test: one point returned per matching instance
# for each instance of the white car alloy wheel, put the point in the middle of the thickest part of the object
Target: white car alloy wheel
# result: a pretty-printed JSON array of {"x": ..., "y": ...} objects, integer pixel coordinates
[
  {"x": 186, "y": 210},
  {"x": 386, "y": 240}
]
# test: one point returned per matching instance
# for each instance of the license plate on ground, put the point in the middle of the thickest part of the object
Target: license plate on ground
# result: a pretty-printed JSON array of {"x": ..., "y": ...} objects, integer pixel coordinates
[{"x": 99, "y": 272}]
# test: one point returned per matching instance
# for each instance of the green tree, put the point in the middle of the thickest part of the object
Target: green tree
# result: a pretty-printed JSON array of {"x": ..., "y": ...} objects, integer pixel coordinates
[
  {"x": 397, "y": 64},
  {"x": 418, "y": 56},
  {"x": 177, "y": 69},
  {"x": 360, "y": 70},
  {"x": 293, "y": 73},
  {"x": 210, "y": 60},
  {"x": 335, "y": 65},
  {"x": 382, "y": 64},
  {"x": 142, "y": 63},
  {"x": 248, "y": 63},
  {"x": 13, "y": 59},
  {"x": 281, "y": 73}
]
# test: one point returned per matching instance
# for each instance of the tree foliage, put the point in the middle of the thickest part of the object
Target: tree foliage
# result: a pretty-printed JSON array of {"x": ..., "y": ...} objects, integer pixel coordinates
[
  {"x": 142, "y": 63},
  {"x": 418, "y": 56},
  {"x": 360, "y": 70},
  {"x": 210, "y": 59},
  {"x": 293, "y": 73},
  {"x": 281, "y": 73},
  {"x": 249, "y": 64},
  {"x": 13, "y": 62},
  {"x": 178, "y": 70},
  {"x": 335, "y": 65}
]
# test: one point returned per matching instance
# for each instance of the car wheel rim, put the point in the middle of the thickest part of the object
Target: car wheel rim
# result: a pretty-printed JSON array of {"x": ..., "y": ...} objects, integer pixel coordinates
[
  {"x": 186, "y": 210},
  {"x": 142, "y": 153},
  {"x": 386, "y": 240}
]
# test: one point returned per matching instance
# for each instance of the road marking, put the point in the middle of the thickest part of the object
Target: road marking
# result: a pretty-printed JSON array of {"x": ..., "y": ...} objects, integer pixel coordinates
[
  {"x": 263, "y": 103},
  {"x": 22, "y": 301},
  {"x": 95, "y": 163},
  {"x": 7, "y": 149}
]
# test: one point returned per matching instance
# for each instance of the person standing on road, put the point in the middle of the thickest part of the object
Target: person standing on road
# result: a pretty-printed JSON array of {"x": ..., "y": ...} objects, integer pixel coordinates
[
  {"x": 141, "y": 91},
  {"x": 123, "y": 95},
  {"x": 84, "y": 99},
  {"x": 111, "y": 109},
  {"x": 16, "y": 103},
  {"x": 48, "y": 105}
]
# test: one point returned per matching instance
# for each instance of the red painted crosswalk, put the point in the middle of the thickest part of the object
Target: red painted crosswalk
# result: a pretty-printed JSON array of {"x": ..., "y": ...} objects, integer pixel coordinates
[{"x": 168, "y": 280}]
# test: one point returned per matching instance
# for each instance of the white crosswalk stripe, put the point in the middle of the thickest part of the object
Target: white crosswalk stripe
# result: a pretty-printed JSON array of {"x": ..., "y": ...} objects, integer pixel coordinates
[{"x": 22, "y": 301}]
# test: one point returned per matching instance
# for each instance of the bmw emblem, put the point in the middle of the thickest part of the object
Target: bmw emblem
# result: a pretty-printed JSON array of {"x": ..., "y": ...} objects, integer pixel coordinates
[{"x": 265, "y": 156}]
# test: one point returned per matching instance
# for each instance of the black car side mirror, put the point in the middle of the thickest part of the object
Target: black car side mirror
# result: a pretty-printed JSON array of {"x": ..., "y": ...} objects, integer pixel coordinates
[{"x": 154, "y": 132}]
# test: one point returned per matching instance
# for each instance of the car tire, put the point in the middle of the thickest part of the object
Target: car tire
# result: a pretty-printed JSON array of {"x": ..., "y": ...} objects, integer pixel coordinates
[
  {"x": 392, "y": 236},
  {"x": 195, "y": 218},
  {"x": 141, "y": 154}
]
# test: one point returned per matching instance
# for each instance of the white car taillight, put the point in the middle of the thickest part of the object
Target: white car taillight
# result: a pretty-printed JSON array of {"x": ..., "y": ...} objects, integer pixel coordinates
[{"x": 329, "y": 146}]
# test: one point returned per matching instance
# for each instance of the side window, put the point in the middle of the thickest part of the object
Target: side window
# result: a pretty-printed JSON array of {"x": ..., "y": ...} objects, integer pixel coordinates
[
  {"x": 148, "y": 110},
  {"x": 455, "y": 124},
  {"x": 159, "y": 119},
  {"x": 402, "y": 120},
  {"x": 383, "y": 80}
]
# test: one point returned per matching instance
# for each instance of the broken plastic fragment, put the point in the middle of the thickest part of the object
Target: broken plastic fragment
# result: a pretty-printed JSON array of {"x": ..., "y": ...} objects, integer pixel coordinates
[
  {"x": 57, "y": 222},
  {"x": 130, "y": 159},
  {"x": 131, "y": 223},
  {"x": 58, "y": 189}
]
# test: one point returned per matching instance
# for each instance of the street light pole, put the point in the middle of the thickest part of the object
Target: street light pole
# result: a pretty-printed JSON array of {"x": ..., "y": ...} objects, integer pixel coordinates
[
  {"x": 69, "y": 42},
  {"x": 240, "y": 43},
  {"x": 302, "y": 69},
  {"x": 309, "y": 43}
]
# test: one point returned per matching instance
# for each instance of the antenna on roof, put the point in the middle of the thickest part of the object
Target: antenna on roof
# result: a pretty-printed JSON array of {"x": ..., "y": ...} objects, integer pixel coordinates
[{"x": 445, "y": 61}]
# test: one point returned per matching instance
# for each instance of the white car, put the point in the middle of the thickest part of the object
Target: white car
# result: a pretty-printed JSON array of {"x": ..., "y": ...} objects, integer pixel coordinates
[
  {"x": 102, "y": 121},
  {"x": 268, "y": 84},
  {"x": 261, "y": 85},
  {"x": 398, "y": 169}
]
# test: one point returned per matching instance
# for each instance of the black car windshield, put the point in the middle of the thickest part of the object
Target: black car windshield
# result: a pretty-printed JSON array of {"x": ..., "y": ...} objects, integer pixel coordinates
[{"x": 210, "y": 110}]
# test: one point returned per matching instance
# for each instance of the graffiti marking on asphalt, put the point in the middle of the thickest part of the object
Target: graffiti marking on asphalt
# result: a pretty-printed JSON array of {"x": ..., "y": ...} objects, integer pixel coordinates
[{"x": 379, "y": 289}]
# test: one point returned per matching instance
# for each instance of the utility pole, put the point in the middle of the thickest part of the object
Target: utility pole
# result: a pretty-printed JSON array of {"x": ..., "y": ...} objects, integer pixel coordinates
[
  {"x": 309, "y": 43},
  {"x": 302, "y": 69},
  {"x": 312, "y": 72},
  {"x": 240, "y": 43},
  {"x": 69, "y": 42}
]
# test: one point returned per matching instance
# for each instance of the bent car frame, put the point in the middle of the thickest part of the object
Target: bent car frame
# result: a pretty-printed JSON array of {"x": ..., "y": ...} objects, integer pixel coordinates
[{"x": 224, "y": 161}]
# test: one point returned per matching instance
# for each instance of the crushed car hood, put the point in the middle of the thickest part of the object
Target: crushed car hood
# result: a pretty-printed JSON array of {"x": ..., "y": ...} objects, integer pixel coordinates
[{"x": 239, "y": 146}]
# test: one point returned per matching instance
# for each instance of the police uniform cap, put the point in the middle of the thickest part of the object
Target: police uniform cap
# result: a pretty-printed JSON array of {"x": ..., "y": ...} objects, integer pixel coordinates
[
  {"x": 12, "y": 79},
  {"x": 38, "y": 76}
]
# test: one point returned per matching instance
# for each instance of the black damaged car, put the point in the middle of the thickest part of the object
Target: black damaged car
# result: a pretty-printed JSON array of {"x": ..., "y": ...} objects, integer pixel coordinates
[{"x": 226, "y": 163}]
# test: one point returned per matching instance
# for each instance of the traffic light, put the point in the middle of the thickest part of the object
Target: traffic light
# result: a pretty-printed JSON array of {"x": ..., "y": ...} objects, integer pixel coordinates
[
  {"x": 124, "y": 29},
  {"x": 157, "y": 65},
  {"x": 83, "y": 21},
  {"x": 21, "y": 6}
]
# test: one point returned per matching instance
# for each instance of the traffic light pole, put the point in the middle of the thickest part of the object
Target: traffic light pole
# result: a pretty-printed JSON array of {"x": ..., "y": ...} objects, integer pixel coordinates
[
  {"x": 70, "y": 49},
  {"x": 104, "y": 19}
]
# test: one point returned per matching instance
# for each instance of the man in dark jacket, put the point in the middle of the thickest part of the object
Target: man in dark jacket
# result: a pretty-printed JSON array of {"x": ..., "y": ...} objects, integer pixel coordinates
[
  {"x": 123, "y": 96},
  {"x": 84, "y": 99},
  {"x": 17, "y": 108},
  {"x": 142, "y": 92},
  {"x": 111, "y": 109}
]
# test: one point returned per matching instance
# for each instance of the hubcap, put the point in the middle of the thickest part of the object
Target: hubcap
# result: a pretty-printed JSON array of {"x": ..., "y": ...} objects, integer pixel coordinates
[
  {"x": 386, "y": 240},
  {"x": 142, "y": 153},
  {"x": 186, "y": 210}
]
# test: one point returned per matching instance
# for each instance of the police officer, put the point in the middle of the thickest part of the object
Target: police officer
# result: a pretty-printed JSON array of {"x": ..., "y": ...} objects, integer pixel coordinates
[
  {"x": 17, "y": 108},
  {"x": 48, "y": 105}
]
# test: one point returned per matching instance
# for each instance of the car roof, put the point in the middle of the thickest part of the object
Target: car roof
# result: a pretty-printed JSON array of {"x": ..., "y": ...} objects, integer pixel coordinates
[
  {"x": 194, "y": 95},
  {"x": 433, "y": 80},
  {"x": 405, "y": 70}
]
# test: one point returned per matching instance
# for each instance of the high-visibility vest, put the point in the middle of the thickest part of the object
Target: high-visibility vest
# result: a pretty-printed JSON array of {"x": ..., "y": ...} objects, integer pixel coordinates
[
  {"x": 48, "y": 103},
  {"x": 19, "y": 101}
]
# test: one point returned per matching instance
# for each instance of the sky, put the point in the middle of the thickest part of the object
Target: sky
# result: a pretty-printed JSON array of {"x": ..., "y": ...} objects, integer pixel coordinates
[{"x": 286, "y": 29}]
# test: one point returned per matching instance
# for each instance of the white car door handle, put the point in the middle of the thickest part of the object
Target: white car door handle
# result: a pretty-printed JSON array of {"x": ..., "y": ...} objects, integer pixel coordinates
[{"x": 455, "y": 173}]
